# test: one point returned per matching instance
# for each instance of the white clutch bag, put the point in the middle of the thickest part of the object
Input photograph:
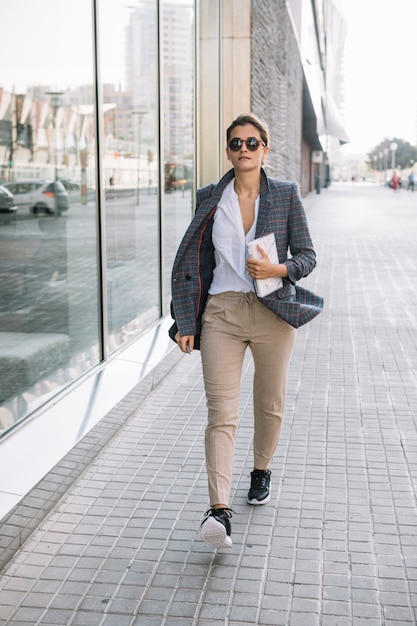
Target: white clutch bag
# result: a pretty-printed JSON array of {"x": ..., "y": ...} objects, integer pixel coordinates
[{"x": 265, "y": 286}]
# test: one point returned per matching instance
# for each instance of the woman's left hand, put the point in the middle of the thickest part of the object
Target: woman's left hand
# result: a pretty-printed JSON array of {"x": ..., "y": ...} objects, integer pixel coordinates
[{"x": 263, "y": 268}]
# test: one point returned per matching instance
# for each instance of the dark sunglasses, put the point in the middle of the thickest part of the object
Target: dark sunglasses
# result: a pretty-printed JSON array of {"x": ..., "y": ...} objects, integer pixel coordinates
[{"x": 252, "y": 144}]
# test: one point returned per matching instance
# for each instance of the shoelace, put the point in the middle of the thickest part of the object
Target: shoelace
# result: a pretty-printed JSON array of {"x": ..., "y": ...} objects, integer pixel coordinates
[
  {"x": 227, "y": 512},
  {"x": 261, "y": 480}
]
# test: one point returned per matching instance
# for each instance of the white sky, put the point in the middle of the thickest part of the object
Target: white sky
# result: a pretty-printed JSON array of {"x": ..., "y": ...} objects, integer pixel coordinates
[
  {"x": 380, "y": 72},
  {"x": 51, "y": 43}
]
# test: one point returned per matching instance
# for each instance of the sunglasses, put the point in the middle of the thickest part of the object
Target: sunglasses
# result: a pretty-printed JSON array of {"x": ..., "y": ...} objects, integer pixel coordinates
[{"x": 252, "y": 144}]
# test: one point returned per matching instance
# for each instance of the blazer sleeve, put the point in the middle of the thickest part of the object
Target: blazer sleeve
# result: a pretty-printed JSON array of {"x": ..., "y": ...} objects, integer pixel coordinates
[{"x": 303, "y": 257}]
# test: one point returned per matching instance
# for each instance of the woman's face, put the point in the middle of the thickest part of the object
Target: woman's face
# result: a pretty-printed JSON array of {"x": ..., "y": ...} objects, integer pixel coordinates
[{"x": 245, "y": 160}]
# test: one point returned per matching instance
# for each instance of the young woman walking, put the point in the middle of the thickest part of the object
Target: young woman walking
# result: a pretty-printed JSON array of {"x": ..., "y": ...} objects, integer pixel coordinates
[{"x": 216, "y": 309}]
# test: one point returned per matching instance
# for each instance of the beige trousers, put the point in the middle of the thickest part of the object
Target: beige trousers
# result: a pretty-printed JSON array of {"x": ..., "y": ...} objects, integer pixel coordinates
[{"x": 232, "y": 322}]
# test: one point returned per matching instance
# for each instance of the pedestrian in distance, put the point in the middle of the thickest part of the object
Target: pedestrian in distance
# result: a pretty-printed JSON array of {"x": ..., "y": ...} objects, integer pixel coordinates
[
  {"x": 395, "y": 181},
  {"x": 410, "y": 182},
  {"x": 111, "y": 186},
  {"x": 216, "y": 308}
]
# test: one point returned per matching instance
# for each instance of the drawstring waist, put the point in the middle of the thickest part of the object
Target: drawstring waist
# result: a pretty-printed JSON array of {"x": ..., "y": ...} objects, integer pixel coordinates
[
  {"x": 239, "y": 297},
  {"x": 245, "y": 298}
]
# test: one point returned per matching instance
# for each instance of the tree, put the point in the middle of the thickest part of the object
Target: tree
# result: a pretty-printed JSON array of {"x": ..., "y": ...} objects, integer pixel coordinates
[{"x": 380, "y": 158}]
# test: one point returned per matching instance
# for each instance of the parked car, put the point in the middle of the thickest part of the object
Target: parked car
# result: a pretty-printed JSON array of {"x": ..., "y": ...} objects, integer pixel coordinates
[
  {"x": 39, "y": 196},
  {"x": 75, "y": 190},
  {"x": 7, "y": 203},
  {"x": 72, "y": 186}
]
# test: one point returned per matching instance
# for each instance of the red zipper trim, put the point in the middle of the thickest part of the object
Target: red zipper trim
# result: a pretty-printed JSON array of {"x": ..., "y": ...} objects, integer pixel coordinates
[{"x": 198, "y": 261}]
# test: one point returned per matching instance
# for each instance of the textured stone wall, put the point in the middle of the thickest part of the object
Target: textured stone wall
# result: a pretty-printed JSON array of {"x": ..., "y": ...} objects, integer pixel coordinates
[{"x": 276, "y": 79}]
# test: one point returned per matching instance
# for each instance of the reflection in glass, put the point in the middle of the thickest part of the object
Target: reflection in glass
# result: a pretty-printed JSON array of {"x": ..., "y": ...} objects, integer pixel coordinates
[
  {"x": 49, "y": 303},
  {"x": 130, "y": 88},
  {"x": 177, "y": 34},
  {"x": 48, "y": 277}
]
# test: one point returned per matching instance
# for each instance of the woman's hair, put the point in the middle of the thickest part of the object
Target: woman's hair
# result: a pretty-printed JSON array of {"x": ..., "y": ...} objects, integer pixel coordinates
[{"x": 250, "y": 118}]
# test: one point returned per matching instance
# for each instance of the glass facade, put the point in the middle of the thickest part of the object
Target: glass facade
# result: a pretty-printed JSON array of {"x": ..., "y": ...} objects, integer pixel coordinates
[
  {"x": 96, "y": 184},
  {"x": 177, "y": 43},
  {"x": 129, "y": 71}
]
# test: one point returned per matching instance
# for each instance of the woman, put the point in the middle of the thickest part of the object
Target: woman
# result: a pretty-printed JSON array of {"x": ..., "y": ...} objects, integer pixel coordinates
[{"x": 216, "y": 309}]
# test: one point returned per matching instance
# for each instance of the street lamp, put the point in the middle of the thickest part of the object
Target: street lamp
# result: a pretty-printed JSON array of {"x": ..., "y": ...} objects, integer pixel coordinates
[
  {"x": 393, "y": 148},
  {"x": 140, "y": 115},
  {"x": 55, "y": 102},
  {"x": 386, "y": 151}
]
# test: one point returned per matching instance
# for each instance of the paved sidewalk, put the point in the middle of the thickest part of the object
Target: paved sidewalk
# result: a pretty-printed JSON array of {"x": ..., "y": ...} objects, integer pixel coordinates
[{"x": 336, "y": 546}]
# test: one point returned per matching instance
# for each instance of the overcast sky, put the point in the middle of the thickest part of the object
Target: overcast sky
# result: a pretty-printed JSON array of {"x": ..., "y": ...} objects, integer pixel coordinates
[{"x": 380, "y": 72}]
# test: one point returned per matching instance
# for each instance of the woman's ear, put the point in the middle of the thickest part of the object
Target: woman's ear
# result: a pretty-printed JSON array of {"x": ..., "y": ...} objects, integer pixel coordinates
[{"x": 266, "y": 150}]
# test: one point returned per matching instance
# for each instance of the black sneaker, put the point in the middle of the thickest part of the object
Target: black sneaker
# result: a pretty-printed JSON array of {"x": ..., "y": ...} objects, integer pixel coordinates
[
  {"x": 260, "y": 484},
  {"x": 215, "y": 528}
]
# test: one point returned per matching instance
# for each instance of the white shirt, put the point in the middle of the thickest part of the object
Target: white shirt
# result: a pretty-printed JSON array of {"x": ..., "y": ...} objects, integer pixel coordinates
[{"x": 229, "y": 242}]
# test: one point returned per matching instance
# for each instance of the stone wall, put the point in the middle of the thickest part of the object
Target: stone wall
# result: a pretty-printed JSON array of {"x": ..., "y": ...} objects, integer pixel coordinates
[{"x": 276, "y": 80}]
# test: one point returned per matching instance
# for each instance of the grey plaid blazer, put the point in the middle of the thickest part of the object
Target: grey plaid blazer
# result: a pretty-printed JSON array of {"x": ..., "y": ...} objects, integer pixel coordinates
[{"x": 280, "y": 211}]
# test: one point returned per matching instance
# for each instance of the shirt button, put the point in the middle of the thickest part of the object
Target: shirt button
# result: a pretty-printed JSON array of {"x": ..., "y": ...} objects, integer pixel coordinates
[{"x": 188, "y": 277}]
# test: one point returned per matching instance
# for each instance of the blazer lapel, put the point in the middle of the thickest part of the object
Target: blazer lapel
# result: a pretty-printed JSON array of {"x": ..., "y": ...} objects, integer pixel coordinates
[
  {"x": 217, "y": 191},
  {"x": 262, "y": 226}
]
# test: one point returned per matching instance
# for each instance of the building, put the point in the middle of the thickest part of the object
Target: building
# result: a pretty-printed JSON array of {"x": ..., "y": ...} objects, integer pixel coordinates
[{"x": 107, "y": 127}]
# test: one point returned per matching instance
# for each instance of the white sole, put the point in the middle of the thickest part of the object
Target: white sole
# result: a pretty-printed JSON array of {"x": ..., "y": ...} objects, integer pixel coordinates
[{"x": 213, "y": 533}]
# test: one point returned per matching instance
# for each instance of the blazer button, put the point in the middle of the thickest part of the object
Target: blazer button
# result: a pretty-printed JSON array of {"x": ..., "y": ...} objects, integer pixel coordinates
[{"x": 188, "y": 277}]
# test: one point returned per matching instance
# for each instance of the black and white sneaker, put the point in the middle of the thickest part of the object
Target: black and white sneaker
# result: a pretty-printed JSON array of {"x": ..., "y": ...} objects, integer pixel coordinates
[
  {"x": 215, "y": 528},
  {"x": 260, "y": 485}
]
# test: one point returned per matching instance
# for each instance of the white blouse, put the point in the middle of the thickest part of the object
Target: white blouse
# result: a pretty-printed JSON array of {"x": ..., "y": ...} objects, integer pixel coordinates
[{"x": 229, "y": 240}]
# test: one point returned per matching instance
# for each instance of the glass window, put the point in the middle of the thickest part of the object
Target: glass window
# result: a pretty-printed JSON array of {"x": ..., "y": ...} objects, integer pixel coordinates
[
  {"x": 178, "y": 126},
  {"x": 48, "y": 261},
  {"x": 129, "y": 68},
  {"x": 50, "y": 310}
]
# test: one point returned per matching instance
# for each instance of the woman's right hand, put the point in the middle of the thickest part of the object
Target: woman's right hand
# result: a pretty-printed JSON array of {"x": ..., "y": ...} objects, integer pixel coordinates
[{"x": 185, "y": 343}]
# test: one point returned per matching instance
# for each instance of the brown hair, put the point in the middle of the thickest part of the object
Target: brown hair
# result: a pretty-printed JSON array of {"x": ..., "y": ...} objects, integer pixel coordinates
[{"x": 250, "y": 118}]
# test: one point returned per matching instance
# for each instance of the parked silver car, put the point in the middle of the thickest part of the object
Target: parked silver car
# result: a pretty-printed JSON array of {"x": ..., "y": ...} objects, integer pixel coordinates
[
  {"x": 7, "y": 203},
  {"x": 39, "y": 196}
]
